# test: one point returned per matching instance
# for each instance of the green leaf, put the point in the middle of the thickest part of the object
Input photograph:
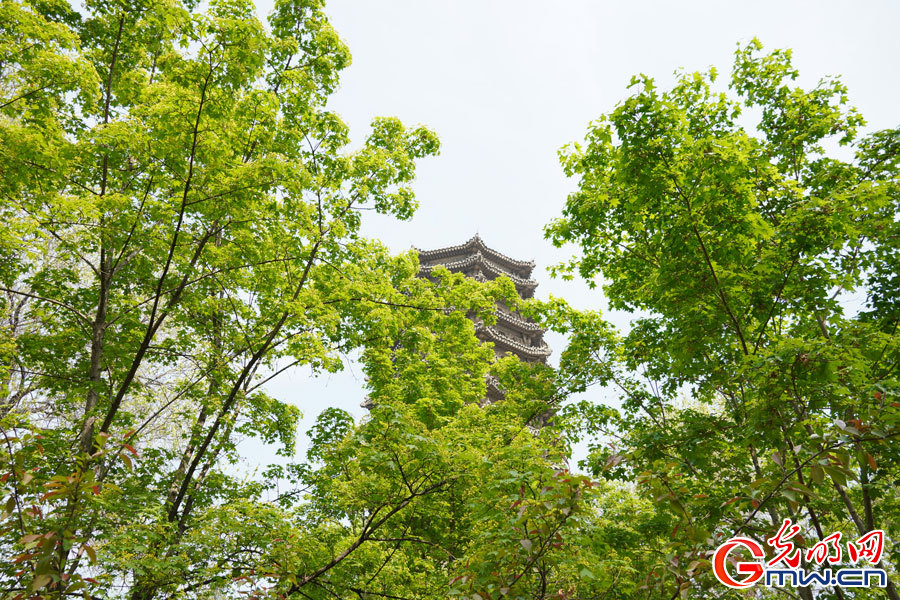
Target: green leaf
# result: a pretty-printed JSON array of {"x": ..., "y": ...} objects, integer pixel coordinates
[
  {"x": 836, "y": 474},
  {"x": 817, "y": 474},
  {"x": 41, "y": 581}
]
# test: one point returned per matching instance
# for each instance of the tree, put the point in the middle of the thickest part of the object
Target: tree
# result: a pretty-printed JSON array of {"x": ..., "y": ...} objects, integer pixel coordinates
[
  {"x": 180, "y": 223},
  {"x": 755, "y": 385},
  {"x": 435, "y": 494}
]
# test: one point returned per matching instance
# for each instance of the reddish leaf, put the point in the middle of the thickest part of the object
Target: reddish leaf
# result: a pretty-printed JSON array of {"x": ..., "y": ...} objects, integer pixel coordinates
[{"x": 871, "y": 460}]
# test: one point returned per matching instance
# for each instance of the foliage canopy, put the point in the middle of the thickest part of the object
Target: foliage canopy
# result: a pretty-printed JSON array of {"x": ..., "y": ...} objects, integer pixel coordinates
[
  {"x": 180, "y": 222},
  {"x": 755, "y": 231}
]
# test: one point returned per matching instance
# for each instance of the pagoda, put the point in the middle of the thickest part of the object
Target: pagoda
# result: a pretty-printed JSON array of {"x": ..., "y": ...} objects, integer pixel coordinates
[{"x": 513, "y": 333}]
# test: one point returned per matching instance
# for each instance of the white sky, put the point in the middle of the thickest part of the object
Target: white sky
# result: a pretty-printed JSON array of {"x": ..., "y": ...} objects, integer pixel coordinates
[{"x": 506, "y": 83}]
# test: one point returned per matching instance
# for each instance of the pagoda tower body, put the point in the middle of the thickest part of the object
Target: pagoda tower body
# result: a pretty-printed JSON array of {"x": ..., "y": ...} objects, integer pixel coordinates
[{"x": 513, "y": 333}]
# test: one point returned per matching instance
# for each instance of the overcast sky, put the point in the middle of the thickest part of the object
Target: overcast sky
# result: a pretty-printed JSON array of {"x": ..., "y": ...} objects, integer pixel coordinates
[{"x": 506, "y": 83}]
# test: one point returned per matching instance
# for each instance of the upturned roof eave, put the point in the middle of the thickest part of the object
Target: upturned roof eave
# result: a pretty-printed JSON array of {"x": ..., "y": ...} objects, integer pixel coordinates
[
  {"x": 478, "y": 243},
  {"x": 517, "y": 322},
  {"x": 484, "y": 262},
  {"x": 495, "y": 336}
]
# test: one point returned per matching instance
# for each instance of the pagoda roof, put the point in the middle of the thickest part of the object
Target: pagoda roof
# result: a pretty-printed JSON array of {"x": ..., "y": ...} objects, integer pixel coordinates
[
  {"x": 494, "y": 335},
  {"x": 476, "y": 244},
  {"x": 487, "y": 265},
  {"x": 517, "y": 322}
]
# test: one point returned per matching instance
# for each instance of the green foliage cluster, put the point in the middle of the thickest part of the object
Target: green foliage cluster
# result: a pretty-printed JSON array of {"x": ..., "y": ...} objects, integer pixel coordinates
[
  {"x": 755, "y": 232},
  {"x": 180, "y": 222}
]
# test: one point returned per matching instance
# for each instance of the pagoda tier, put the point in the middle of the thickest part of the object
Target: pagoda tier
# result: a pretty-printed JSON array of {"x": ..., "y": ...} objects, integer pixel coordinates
[
  {"x": 479, "y": 266},
  {"x": 510, "y": 266},
  {"x": 513, "y": 333},
  {"x": 504, "y": 342}
]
